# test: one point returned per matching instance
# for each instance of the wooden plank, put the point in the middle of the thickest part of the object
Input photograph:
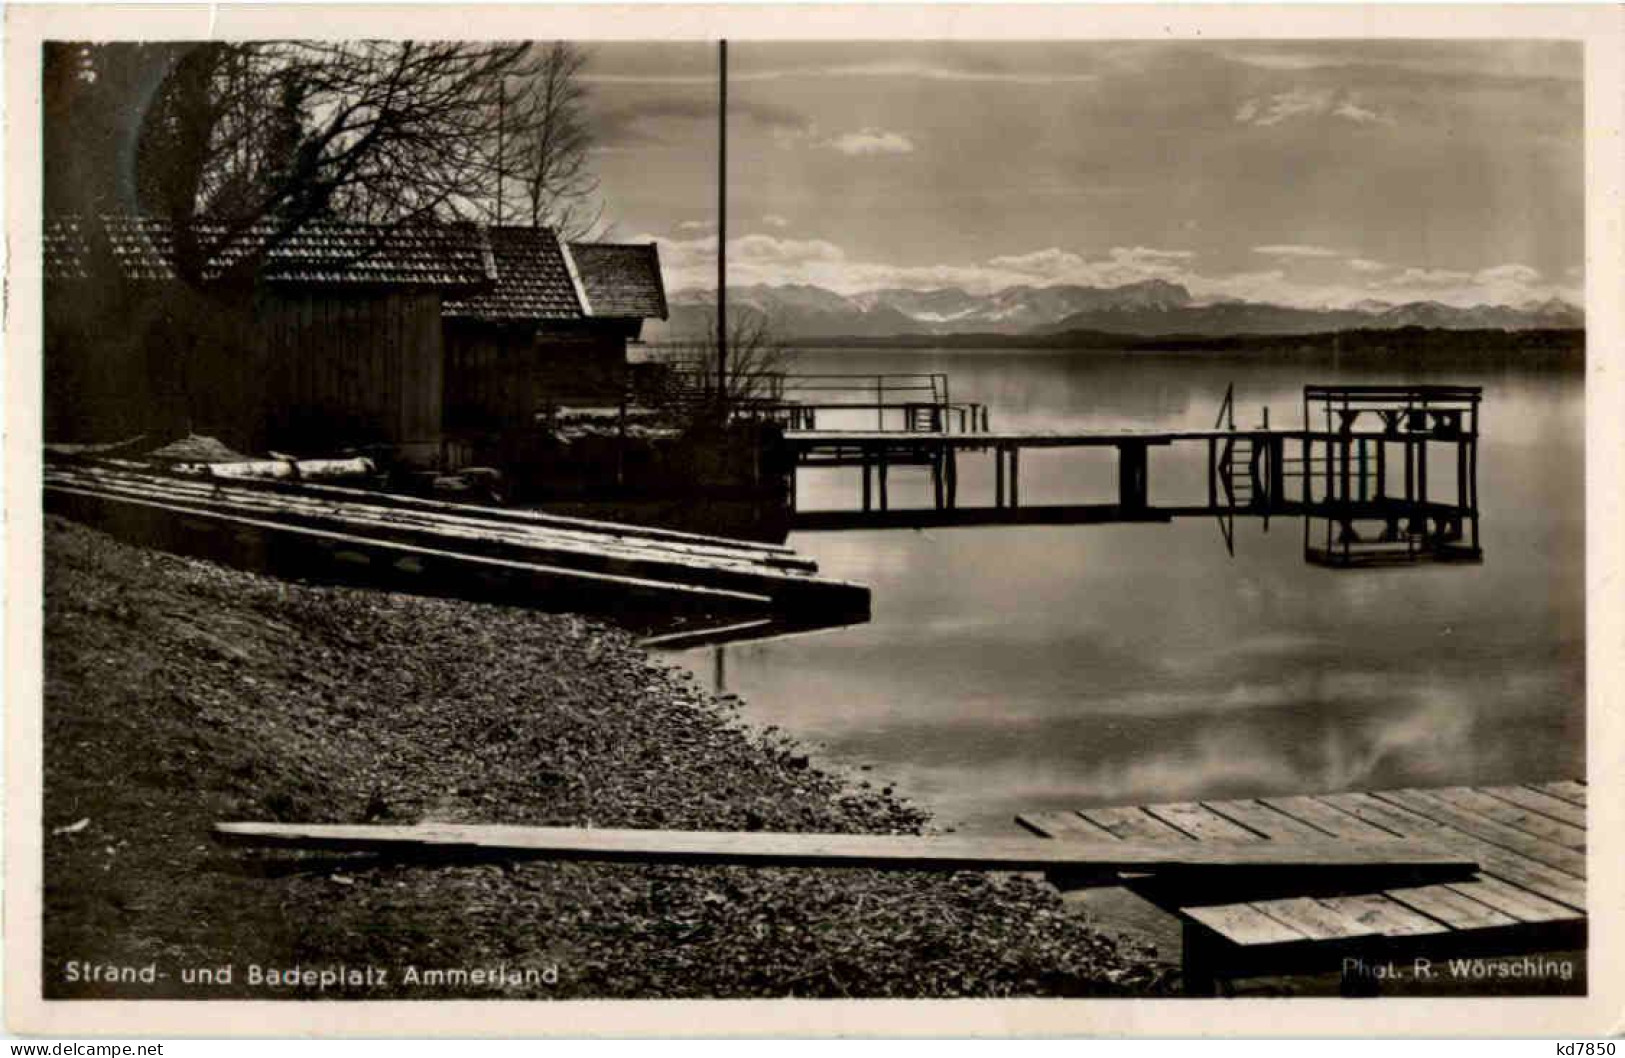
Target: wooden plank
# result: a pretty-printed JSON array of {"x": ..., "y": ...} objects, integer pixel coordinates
[
  {"x": 513, "y": 514},
  {"x": 1522, "y": 872},
  {"x": 1453, "y": 908},
  {"x": 1517, "y": 903},
  {"x": 1545, "y": 804},
  {"x": 764, "y": 848},
  {"x": 1244, "y": 924},
  {"x": 789, "y": 588},
  {"x": 1541, "y": 826},
  {"x": 1061, "y": 825},
  {"x": 1327, "y": 818},
  {"x": 1426, "y": 803},
  {"x": 1313, "y": 919},
  {"x": 1132, "y": 824},
  {"x": 1384, "y": 915},
  {"x": 320, "y": 498},
  {"x": 1262, "y": 819},
  {"x": 1572, "y": 792},
  {"x": 579, "y": 578},
  {"x": 1200, "y": 823}
]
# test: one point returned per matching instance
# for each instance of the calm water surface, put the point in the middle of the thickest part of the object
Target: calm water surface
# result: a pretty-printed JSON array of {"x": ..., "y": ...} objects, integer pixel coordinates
[{"x": 1008, "y": 669}]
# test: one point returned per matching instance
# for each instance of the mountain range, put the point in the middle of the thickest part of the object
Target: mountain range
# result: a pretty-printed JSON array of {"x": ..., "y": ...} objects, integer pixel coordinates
[{"x": 1147, "y": 308}]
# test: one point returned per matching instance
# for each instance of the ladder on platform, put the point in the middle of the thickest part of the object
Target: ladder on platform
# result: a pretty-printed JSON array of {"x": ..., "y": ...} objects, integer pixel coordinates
[{"x": 1238, "y": 470}]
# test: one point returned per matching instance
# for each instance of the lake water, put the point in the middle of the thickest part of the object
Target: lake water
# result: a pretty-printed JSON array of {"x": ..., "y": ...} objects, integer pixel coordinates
[{"x": 1036, "y": 667}]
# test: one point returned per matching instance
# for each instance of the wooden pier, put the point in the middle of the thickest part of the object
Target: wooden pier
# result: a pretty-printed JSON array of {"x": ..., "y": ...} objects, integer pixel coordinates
[
  {"x": 1332, "y": 470},
  {"x": 1527, "y": 895}
]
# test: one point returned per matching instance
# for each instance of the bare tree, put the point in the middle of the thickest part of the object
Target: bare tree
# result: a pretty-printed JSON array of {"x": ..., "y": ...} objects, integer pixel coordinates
[
  {"x": 559, "y": 185},
  {"x": 541, "y": 157},
  {"x": 753, "y": 380},
  {"x": 259, "y": 138}
]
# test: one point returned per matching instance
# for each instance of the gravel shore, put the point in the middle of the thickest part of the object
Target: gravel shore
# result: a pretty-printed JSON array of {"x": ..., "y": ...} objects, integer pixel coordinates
[{"x": 179, "y": 693}]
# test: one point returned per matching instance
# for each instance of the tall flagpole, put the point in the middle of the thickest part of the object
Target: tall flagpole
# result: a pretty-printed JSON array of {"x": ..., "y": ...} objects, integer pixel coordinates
[{"x": 722, "y": 225}]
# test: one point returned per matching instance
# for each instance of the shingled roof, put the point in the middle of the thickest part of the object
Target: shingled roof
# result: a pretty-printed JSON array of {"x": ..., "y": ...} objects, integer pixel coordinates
[
  {"x": 622, "y": 280},
  {"x": 325, "y": 253},
  {"x": 533, "y": 280}
]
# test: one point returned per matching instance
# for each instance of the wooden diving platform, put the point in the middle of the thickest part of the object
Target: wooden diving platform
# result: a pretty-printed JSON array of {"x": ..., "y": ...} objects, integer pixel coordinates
[
  {"x": 1527, "y": 895},
  {"x": 1338, "y": 457}
]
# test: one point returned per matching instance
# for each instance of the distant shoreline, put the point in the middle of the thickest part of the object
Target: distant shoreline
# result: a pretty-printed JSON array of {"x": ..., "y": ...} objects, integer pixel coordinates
[
  {"x": 1541, "y": 348},
  {"x": 1545, "y": 346}
]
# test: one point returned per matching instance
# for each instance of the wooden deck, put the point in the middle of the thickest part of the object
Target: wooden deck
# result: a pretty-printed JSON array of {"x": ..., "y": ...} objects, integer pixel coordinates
[
  {"x": 1528, "y": 895},
  {"x": 478, "y": 552}
]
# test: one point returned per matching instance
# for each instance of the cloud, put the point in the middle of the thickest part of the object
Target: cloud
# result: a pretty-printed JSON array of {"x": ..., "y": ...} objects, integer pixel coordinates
[
  {"x": 1501, "y": 60},
  {"x": 872, "y": 141},
  {"x": 1296, "y": 250},
  {"x": 1507, "y": 273},
  {"x": 900, "y": 69},
  {"x": 1363, "y": 264},
  {"x": 774, "y": 260},
  {"x": 1429, "y": 277},
  {"x": 695, "y": 225},
  {"x": 1264, "y": 111},
  {"x": 652, "y": 121},
  {"x": 773, "y": 220},
  {"x": 1356, "y": 113}
]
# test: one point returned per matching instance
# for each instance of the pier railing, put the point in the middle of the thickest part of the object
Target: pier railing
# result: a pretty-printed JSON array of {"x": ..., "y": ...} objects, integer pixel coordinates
[{"x": 902, "y": 402}]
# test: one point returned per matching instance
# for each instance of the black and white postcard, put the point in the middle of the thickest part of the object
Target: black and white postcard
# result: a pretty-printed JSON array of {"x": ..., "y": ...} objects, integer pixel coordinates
[{"x": 517, "y": 506}]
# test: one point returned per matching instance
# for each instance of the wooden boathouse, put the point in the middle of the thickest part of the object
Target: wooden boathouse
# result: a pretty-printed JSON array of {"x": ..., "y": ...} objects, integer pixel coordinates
[
  {"x": 328, "y": 337},
  {"x": 551, "y": 330},
  {"x": 335, "y": 336}
]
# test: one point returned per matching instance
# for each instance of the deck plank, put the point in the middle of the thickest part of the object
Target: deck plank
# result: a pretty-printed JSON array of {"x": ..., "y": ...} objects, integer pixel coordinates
[
  {"x": 1493, "y": 859},
  {"x": 1385, "y": 915},
  {"x": 1426, "y": 803},
  {"x": 1061, "y": 825},
  {"x": 1481, "y": 803},
  {"x": 1518, "y": 903},
  {"x": 1274, "y": 825},
  {"x": 1313, "y": 919},
  {"x": 1200, "y": 823},
  {"x": 1572, "y": 792},
  {"x": 881, "y": 851},
  {"x": 1454, "y": 909},
  {"x": 1244, "y": 925},
  {"x": 1132, "y": 824},
  {"x": 1327, "y": 818},
  {"x": 1545, "y": 804}
]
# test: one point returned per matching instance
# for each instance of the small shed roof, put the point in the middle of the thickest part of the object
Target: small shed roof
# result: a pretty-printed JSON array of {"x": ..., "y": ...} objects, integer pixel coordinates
[
  {"x": 622, "y": 280},
  {"x": 532, "y": 280},
  {"x": 323, "y": 253}
]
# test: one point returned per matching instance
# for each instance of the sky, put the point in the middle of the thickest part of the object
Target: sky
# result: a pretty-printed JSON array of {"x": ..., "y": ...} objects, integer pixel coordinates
[{"x": 1302, "y": 173}]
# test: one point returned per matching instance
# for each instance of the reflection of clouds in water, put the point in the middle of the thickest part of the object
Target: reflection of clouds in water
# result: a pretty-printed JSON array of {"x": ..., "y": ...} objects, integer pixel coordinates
[
  {"x": 1431, "y": 740},
  {"x": 1009, "y": 669},
  {"x": 1311, "y": 689},
  {"x": 1269, "y": 646}
]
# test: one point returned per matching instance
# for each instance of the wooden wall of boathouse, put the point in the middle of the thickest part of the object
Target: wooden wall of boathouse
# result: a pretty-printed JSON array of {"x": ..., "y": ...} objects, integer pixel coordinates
[
  {"x": 502, "y": 376},
  {"x": 294, "y": 368},
  {"x": 354, "y": 368}
]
